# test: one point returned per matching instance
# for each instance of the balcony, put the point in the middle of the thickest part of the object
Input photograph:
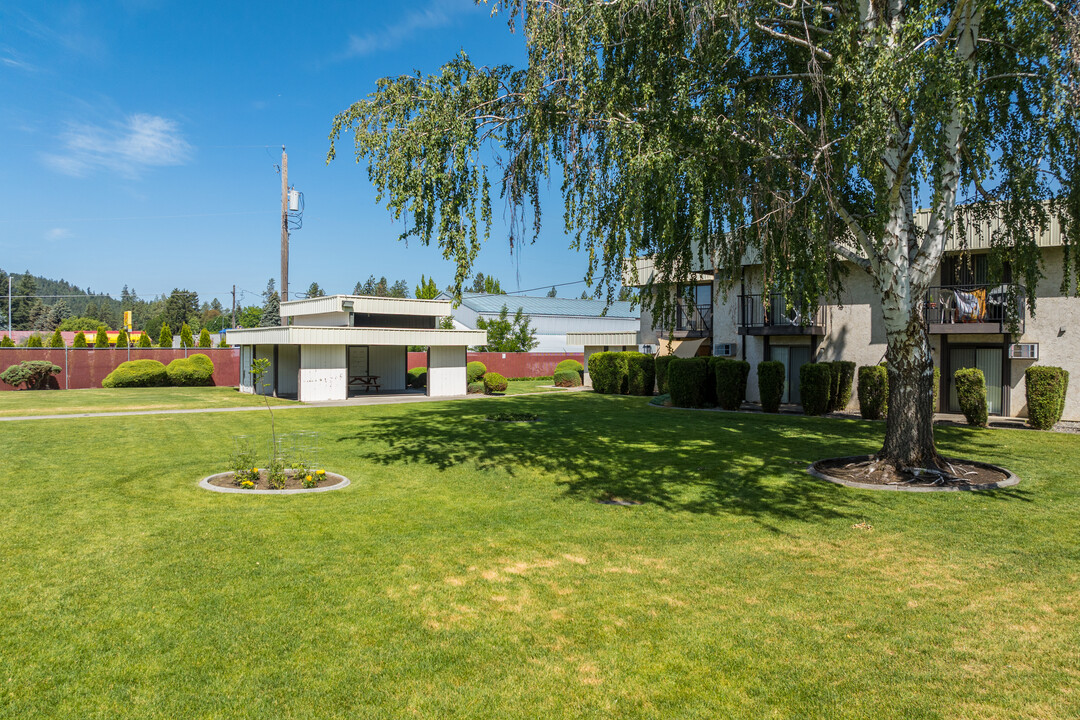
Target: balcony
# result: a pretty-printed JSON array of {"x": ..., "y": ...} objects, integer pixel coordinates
[
  {"x": 691, "y": 321},
  {"x": 769, "y": 315},
  {"x": 956, "y": 309}
]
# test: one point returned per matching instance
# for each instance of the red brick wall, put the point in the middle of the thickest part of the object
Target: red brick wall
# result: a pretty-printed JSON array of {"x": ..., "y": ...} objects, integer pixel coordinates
[
  {"x": 87, "y": 368},
  {"x": 511, "y": 364}
]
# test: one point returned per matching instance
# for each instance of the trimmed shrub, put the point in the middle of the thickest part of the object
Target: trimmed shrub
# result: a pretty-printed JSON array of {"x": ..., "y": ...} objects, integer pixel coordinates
[
  {"x": 79, "y": 341},
  {"x": 686, "y": 380},
  {"x": 204, "y": 338},
  {"x": 494, "y": 382},
  {"x": 56, "y": 340},
  {"x": 34, "y": 341},
  {"x": 844, "y": 372},
  {"x": 708, "y": 383},
  {"x": 567, "y": 378},
  {"x": 223, "y": 344},
  {"x": 418, "y": 377},
  {"x": 816, "y": 387},
  {"x": 937, "y": 386},
  {"x": 165, "y": 337},
  {"x": 144, "y": 340},
  {"x": 971, "y": 394},
  {"x": 137, "y": 373},
  {"x": 569, "y": 364},
  {"x": 604, "y": 373},
  {"x": 661, "y": 365},
  {"x": 640, "y": 373},
  {"x": 122, "y": 339},
  {"x": 731, "y": 376},
  {"x": 203, "y": 361},
  {"x": 189, "y": 372},
  {"x": 186, "y": 338},
  {"x": 770, "y": 380},
  {"x": 873, "y": 392},
  {"x": 1045, "y": 387},
  {"x": 474, "y": 371},
  {"x": 101, "y": 338},
  {"x": 7, "y": 342},
  {"x": 834, "y": 386},
  {"x": 475, "y": 387},
  {"x": 34, "y": 374}
]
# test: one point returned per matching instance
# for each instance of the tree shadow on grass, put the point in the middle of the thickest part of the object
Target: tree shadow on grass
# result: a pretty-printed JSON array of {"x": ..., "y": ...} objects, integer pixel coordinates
[{"x": 603, "y": 447}]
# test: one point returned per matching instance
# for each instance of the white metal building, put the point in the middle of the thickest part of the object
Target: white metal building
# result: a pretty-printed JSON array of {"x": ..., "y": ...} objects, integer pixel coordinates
[
  {"x": 334, "y": 347},
  {"x": 552, "y": 318}
]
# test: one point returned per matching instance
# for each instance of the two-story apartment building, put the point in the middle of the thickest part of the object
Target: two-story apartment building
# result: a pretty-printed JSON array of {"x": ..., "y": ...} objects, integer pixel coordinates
[
  {"x": 329, "y": 348},
  {"x": 966, "y": 315}
]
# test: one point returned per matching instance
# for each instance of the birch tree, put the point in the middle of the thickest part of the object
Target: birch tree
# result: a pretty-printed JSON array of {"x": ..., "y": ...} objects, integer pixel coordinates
[{"x": 807, "y": 133}]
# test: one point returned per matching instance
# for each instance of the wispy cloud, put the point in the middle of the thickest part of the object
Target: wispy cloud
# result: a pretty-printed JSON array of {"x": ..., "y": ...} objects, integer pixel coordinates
[
  {"x": 435, "y": 15},
  {"x": 57, "y": 234},
  {"x": 128, "y": 147}
]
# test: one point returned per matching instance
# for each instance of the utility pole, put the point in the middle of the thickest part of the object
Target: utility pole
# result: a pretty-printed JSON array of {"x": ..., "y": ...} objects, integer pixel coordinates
[
  {"x": 232, "y": 322},
  {"x": 284, "y": 225},
  {"x": 9, "y": 305}
]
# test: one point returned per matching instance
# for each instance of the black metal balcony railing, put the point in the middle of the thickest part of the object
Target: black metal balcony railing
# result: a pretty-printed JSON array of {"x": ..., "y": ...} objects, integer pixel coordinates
[
  {"x": 974, "y": 308},
  {"x": 756, "y": 312},
  {"x": 693, "y": 320}
]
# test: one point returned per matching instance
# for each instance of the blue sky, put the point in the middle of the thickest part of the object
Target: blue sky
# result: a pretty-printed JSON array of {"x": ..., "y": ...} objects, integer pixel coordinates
[{"x": 140, "y": 140}]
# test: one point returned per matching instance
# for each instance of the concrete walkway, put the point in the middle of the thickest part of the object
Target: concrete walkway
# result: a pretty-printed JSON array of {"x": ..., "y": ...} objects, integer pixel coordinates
[{"x": 397, "y": 399}]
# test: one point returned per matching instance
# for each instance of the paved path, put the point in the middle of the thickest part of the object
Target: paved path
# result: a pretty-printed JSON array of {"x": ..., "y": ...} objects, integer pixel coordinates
[{"x": 351, "y": 402}]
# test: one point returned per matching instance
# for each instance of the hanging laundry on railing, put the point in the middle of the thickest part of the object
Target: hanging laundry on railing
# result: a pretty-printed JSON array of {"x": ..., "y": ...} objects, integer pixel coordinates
[{"x": 970, "y": 306}]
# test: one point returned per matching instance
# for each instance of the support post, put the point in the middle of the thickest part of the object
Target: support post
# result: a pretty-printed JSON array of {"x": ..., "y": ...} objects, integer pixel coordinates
[{"x": 284, "y": 225}]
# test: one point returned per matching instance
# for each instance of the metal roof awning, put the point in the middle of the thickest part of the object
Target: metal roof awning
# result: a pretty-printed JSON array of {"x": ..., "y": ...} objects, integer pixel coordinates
[
  {"x": 680, "y": 348},
  {"x": 309, "y": 335}
]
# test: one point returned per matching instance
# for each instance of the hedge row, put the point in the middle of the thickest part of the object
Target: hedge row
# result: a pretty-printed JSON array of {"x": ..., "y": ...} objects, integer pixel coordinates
[{"x": 622, "y": 373}]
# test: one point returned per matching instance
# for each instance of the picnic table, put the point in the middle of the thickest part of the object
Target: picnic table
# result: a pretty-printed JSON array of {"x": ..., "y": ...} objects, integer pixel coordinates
[{"x": 365, "y": 381}]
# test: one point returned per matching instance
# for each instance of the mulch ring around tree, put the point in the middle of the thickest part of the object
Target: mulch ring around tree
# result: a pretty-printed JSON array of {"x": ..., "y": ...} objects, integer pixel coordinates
[
  {"x": 226, "y": 482},
  {"x": 946, "y": 474}
]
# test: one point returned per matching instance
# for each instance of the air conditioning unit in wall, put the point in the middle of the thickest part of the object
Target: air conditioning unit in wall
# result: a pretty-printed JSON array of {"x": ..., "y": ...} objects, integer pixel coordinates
[
  {"x": 1024, "y": 351},
  {"x": 724, "y": 350}
]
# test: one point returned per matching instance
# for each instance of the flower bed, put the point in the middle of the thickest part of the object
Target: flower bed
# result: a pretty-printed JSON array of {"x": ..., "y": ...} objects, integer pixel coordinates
[{"x": 260, "y": 481}]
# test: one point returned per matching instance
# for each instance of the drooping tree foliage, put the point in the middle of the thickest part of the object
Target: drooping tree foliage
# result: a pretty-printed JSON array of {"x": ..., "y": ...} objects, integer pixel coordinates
[{"x": 805, "y": 133}]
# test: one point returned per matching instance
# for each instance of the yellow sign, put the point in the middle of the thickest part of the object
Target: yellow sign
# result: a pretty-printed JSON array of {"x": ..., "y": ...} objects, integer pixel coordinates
[{"x": 127, "y": 320}]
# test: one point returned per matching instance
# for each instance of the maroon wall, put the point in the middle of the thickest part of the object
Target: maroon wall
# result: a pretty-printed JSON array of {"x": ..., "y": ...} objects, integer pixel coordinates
[
  {"x": 511, "y": 364},
  {"x": 86, "y": 368}
]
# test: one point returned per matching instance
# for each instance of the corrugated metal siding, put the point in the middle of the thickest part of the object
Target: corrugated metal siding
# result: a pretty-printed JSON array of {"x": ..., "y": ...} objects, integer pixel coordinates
[
  {"x": 389, "y": 364},
  {"x": 333, "y": 319},
  {"x": 446, "y": 371},
  {"x": 976, "y": 236},
  {"x": 541, "y": 306},
  {"x": 301, "y": 335},
  {"x": 363, "y": 303},
  {"x": 322, "y": 373},
  {"x": 612, "y": 338}
]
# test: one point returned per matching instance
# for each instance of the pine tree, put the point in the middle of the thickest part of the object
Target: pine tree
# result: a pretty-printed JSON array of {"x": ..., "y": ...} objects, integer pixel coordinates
[
  {"x": 314, "y": 291},
  {"x": 271, "y": 313},
  {"x": 144, "y": 340},
  {"x": 165, "y": 338},
  {"x": 584, "y": 295},
  {"x": 186, "y": 338},
  {"x": 122, "y": 339},
  {"x": 79, "y": 341},
  {"x": 23, "y": 298},
  {"x": 56, "y": 340},
  {"x": 552, "y": 292},
  {"x": 101, "y": 339},
  {"x": 34, "y": 341},
  {"x": 427, "y": 289},
  {"x": 204, "y": 338},
  {"x": 7, "y": 342},
  {"x": 61, "y": 311}
]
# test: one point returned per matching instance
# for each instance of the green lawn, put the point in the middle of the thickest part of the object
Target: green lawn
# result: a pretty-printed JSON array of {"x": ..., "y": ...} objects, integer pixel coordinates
[
  {"x": 73, "y": 402},
  {"x": 517, "y": 387},
  {"x": 468, "y": 572}
]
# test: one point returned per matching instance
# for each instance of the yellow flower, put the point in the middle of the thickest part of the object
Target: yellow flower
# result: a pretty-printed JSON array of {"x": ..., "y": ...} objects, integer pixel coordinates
[
  {"x": 309, "y": 478},
  {"x": 322, "y": 472}
]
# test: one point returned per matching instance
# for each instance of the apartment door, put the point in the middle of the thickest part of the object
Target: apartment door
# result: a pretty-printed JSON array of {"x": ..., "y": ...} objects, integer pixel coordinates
[
  {"x": 793, "y": 357},
  {"x": 987, "y": 359}
]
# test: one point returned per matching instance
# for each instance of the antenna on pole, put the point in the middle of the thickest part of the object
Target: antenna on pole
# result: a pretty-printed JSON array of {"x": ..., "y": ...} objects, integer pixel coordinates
[{"x": 284, "y": 225}]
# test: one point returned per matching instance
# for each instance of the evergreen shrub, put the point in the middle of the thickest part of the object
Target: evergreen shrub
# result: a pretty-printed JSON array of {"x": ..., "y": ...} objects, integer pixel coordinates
[
  {"x": 204, "y": 338},
  {"x": 686, "y": 381},
  {"x": 137, "y": 373},
  {"x": 8, "y": 342},
  {"x": 494, "y": 382},
  {"x": 845, "y": 369},
  {"x": 570, "y": 364},
  {"x": 165, "y": 337},
  {"x": 567, "y": 378},
  {"x": 731, "y": 376},
  {"x": 708, "y": 383},
  {"x": 971, "y": 394},
  {"x": 34, "y": 374},
  {"x": 34, "y": 341},
  {"x": 101, "y": 338},
  {"x": 937, "y": 387},
  {"x": 190, "y": 372},
  {"x": 661, "y": 365},
  {"x": 604, "y": 373},
  {"x": 79, "y": 341},
  {"x": 873, "y": 392},
  {"x": 474, "y": 371},
  {"x": 187, "y": 339},
  {"x": 144, "y": 340},
  {"x": 56, "y": 340},
  {"x": 418, "y": 377},
  {"x": 475, "y": 387},
  {"x": 770, "y": 380},
  {"x": 122, "y": 339},
  {"x": 816, "y": 387},
  {"x": 1045, "y": 387},
  {"x": 640, "y": 373}
]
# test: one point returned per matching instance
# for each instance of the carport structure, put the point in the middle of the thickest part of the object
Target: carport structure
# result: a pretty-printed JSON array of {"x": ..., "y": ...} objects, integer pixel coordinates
[{"x": 329, "y": 348}]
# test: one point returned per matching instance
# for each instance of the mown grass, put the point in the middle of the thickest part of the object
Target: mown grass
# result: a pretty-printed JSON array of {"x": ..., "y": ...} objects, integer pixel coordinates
[
  {"x": 74, "y": 402},
  {"x": 517, "y": 387},
  {"x": 468, "y": 572}
]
